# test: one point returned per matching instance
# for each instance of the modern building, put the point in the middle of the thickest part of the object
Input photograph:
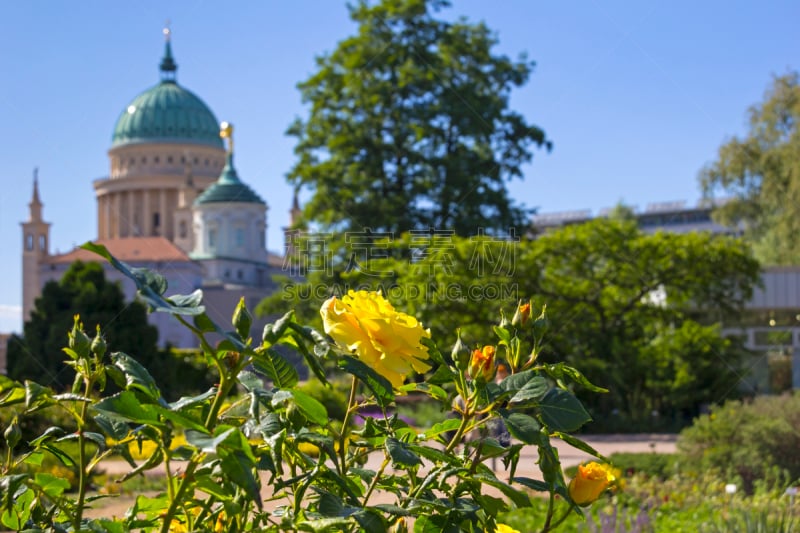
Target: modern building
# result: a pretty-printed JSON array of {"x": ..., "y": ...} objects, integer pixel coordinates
[
  {"x": 172, "y": 202},
  {"x": 770, "y": 323}
]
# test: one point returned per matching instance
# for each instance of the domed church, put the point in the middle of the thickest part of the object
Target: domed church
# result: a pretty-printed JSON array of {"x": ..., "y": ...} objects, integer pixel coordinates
[{"x": 172, "y": 202}]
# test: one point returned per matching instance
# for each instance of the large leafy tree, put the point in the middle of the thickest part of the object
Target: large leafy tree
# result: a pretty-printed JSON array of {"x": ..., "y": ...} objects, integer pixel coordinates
[
  {"x": 85, "y": 291},
  {"x": 410, "y": 125},
  {"x": 760, "y": 174}
]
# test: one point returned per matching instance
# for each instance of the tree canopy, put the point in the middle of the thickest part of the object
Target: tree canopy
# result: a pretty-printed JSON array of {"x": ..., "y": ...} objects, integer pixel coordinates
[
  {"x": 82, "y": 290},
  {"x": 637, "y": 310},
  {"x": 410, "y": 126},
  {"x": 85, "y": 291},
  {"x": 760, "y": 175}
]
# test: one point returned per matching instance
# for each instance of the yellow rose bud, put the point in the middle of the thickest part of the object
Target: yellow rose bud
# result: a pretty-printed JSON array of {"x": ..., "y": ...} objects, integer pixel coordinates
[
  {"x": 590, "y": 481},
  {"x": 481, "y": 364},
  {"x": 367, "y": 325}
]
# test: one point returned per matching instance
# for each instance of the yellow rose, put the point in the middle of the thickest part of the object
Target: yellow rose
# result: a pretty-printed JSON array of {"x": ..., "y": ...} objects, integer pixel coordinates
[
  {"x": 590, "y": 481},
  {"x": 386, "y": 340},
  {"x": 502, "y": 528}
]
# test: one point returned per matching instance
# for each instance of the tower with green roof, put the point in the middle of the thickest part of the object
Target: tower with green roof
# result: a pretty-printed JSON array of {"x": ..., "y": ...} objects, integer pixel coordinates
[{"x": 230, "y": 221}]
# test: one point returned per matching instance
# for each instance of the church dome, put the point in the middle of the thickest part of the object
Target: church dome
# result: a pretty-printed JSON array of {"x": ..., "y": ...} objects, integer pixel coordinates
[
  {"x": 167, "y": 113},
  {"x": 229, "y": 188}
]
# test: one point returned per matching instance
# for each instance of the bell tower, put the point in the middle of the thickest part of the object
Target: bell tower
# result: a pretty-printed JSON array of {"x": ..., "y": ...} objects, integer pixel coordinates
[{"x": 35, "y": 249}]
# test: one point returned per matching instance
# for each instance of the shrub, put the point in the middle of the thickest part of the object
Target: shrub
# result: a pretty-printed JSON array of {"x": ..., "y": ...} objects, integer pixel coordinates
[{"x": 748, "y": 440}]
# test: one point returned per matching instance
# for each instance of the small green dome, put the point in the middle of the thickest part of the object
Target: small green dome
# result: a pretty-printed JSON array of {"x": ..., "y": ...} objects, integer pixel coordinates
[
  {"x": 228, "y": 188},
  {"x": 167, "y": 113}
]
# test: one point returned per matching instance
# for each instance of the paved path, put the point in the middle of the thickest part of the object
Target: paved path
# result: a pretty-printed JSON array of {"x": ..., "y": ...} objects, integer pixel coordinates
[{"x": 604, "y": 444}]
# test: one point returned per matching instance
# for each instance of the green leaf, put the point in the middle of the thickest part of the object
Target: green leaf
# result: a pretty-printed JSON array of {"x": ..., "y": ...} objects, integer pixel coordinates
[
  {"x": 152, "y": 286},
  {"x": 205, "y": 442},
  {"x": 434, "y": 391},
  {"x": 559, "y": 371},
  {"x": 518, "y": 497},
  {"x": 370, "y": 520},
  {"x": 311, "y": 408},
  {"x": 274, "y": 366},
  {"x": 16, "y": 516},
  {"x": 534, "y": 484},
  {"x": 434, "y": 524},
  {"x": 400, "y": 453},
  {"x": 515, "y": 382},
  {"x": 451, "y": 424},
  {"x": 37, "y": 396},
  {"x": 562, "y": 411},
  {"x": 575, "y": 442},
  {"x": 522, "y": 427},
  {"x": 190, "y": 401},
  {"x": 51, "y": 485},
  {"x": 379, "y": 385},
  {"x": 136, "y": 376},
  {"x": 532, "y": 390},
  {"x": 125, "y": 406},
  {"x": 239, "y": 468}
]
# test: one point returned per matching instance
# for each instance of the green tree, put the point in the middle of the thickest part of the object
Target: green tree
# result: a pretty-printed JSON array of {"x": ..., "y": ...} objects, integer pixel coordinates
[
  {"x": 84, "y": 290},
  {"x": 410, "y": 126},
  {"x": 640, "y": 312},
  {"x": 760, "y": 173}
]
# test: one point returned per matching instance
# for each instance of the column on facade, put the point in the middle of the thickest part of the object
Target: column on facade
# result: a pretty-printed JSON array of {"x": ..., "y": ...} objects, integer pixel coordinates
[{"x": 164, "y": 228}]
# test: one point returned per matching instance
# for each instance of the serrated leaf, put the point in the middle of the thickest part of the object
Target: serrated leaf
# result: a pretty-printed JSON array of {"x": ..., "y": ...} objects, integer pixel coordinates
[
  {"x": 515, "y": 382},
  {"x": 533, "y": 390},
  {"x": 522, "y": 427},
  {"x": 400, "y": 453},
  {"x": 151, "y": 286},
  {"x": 575, "y": 442},
  {"x": 274, "y": 366},
  {"x": 205, "y": 442},
  {"x": 311, "y": 408},
  {"x": 379, "y": 385},
  {"x": 562, "y": 411},
  {"x": 136, "y": 376},
  {"x": 534, "y": 484},
  {"x": 559, "y": 371},
  {"x": 451, "y": 424}
]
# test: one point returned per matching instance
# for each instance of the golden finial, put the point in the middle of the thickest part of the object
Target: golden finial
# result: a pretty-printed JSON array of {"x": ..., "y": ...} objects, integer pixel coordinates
[
  {"x": 226, "y": 132},
  {"x": 167, "y": 31}
]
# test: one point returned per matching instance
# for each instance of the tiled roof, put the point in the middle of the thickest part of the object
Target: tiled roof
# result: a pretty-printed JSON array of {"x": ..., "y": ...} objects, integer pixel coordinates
[{"x": 130, "y": 250}]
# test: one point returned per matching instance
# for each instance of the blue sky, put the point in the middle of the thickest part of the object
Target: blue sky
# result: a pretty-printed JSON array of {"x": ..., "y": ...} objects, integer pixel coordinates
[{"x": 636, "y": 96}]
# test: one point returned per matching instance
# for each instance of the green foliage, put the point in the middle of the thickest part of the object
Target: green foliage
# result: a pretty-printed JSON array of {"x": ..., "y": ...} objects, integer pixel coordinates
[
  {"x": 410, "y": 126},
  {"x": 754, "y": 441},
  {"x": 640, "y": 310},
  {"x": 84, "y": 290},
  {"x": 760, "y": 174},
  {"x": 236, "y": 451}
]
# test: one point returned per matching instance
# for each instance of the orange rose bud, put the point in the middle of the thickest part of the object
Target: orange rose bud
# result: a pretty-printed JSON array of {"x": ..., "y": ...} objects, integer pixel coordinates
[
  {"x": 590, "y": 482},
  {"x": 522, "y": 315},
  {"x": 481, "y": 364}
]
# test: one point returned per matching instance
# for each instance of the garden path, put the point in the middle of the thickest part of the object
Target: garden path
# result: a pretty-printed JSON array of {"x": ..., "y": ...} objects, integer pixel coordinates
[{"x": 604, "y": 444}]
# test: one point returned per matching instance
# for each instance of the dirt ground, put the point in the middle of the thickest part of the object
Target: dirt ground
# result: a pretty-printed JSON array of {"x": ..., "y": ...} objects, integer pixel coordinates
[{"x": 604, "y": 444}]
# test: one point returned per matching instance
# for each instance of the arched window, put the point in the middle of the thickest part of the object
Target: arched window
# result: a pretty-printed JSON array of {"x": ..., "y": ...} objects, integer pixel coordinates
[
  {"x": 212, "y": 238},
  {"x": 29, "y": 242},
  {"x": 182, "y": 230},
  {"x": 42, "y": 243}
]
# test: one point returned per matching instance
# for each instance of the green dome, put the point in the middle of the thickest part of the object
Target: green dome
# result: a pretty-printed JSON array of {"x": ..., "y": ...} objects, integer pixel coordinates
[
  {"x": 167, "y": 113},
  {"x": 228, "y": 188}
]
